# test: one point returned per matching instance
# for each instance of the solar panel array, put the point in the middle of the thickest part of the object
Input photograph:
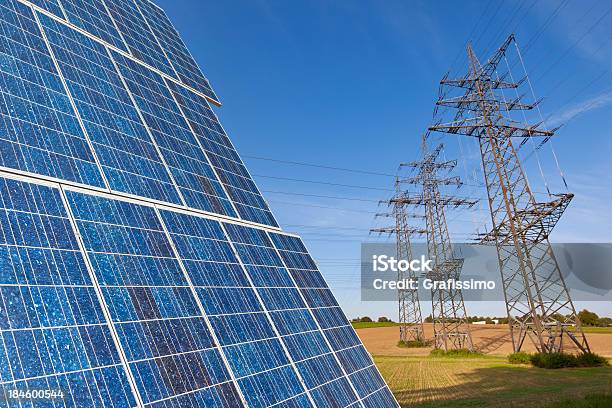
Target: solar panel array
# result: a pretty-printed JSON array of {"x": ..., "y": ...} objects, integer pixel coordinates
[{"x": 139, "y": 263}]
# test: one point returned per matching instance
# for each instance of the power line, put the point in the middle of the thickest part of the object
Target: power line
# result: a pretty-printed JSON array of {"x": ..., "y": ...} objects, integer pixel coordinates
[
  {"x": 323, "y": 182},
  {"x": 334, "y": 197},
  {"x": 323, "y": 227},
  {"x": 322, "y": 206},
  {"x": 460, "y": 51},
  {"x": 543, "y": 27},
  {"x": 487, "y": 26},
  {"x": 578, "y": 41},
  {"x": 322, "y": 166},
  {"x": 506, "y": 24},
  {"x": 340, "y": 184},
  {"x": 321, "y": 196}
]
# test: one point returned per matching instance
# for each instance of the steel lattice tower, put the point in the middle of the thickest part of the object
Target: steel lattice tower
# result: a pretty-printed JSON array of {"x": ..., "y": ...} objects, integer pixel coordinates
[
  {"x": 409, "y": 307},
  {"x": 451, "y": 327},
  {"x": 537, "y": 300}
]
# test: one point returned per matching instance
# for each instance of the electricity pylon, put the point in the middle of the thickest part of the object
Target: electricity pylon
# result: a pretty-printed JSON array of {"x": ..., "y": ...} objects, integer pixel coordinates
[
  {"x": 451, "y": 327},
  {"x": 537, "y": 300},
  {"x": 410, "y": 318}
]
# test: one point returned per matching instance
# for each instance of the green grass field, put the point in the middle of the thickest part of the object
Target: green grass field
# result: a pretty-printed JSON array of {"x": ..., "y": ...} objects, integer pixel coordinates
[
  {"x": 589, "y": 329},
  {"x": 430, "y": 382}
]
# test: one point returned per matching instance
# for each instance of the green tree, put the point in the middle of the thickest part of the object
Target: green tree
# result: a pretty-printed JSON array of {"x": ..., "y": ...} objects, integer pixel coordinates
[
  {"x": 365, "y": 319},
  {"x": 588, "y": 318}
]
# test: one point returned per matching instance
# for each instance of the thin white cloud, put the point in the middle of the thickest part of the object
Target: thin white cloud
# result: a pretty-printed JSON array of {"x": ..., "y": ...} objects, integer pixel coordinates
[{"x": 580, "y": 108}]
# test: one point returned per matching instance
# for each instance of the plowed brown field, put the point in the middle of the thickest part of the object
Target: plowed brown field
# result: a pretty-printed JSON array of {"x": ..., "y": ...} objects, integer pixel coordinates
[{"x": 489, "y": 339}]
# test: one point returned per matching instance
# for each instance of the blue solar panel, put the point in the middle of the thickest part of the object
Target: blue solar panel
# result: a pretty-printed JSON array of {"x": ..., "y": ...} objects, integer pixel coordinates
[
  {"x": 53, "y": 332},
  {"x": 52, "y": 6},
  {"x": 313, "y": 357},
  {"x": 243, "y": 326},
  {"x": 139, "y": 38},
  {"x": 122, "y": 302},
  {"x": 92, "y": 16},
  {"x": 171, "y": 352},
  {"x": 189, "y": 166},
  {"x": 224, "y": 158},
  {"x": 187, "y": 69},
  {"x": 39, "y": 131},
  {"x": 352, "y": 356},
  {"x": 125, "y": 149}
]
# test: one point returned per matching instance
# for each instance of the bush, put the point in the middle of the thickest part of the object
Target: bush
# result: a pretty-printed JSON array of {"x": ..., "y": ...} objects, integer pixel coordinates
[
  {"x": 519, "y": 358},
  {"x": 384, "y": 319},
  {"x": 414, "y": 343},
  {"x": 554, "y": 360},
  {"x": 591, "y": 360},
  {"x": 563, "y": 360},
  {"x": 454, "y": 353},
  {"x": 365, "y": 319}
]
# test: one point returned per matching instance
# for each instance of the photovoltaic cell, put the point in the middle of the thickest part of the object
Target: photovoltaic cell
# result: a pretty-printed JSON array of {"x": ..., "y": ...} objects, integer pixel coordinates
[
  {"x": 170, "y": 350},
  {"x": 53, "y": 331},
  {"x": 139, "y": 38},
  {"x": 186, "y": 67},
  {"x": 254, "y": 351},
  {"x": 52, "y": 6},
  {"x": 189, "y": 166},
  {"x": 92, "y": 16},
  {"x": 311, "y": 354},
  {"x": 125, "y": 149},
  {"x": 39, "y": 131},
  {"x": 233, "y": 174},
  {"x": 381, "y": 398}
]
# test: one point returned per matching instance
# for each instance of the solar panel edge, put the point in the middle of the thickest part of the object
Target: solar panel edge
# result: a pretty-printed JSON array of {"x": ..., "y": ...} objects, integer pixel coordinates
[
  {"x": 114, "y": 48},
  {"x": 157, "y": 40},
  {"x": 315, "y": 319},
  {"x": 266, "y": 209},
  {"x": 272, "y": 323},
  {"x": 214, "y": 170},
  {"x": 247, "y": 169},
  {"x": 189, "y": 55},
  {"x": 307, "y": 252}
]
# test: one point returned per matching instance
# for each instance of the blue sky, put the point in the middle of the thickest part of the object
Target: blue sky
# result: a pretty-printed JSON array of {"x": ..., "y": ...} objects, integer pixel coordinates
[{"x": 352, "y": 84}]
